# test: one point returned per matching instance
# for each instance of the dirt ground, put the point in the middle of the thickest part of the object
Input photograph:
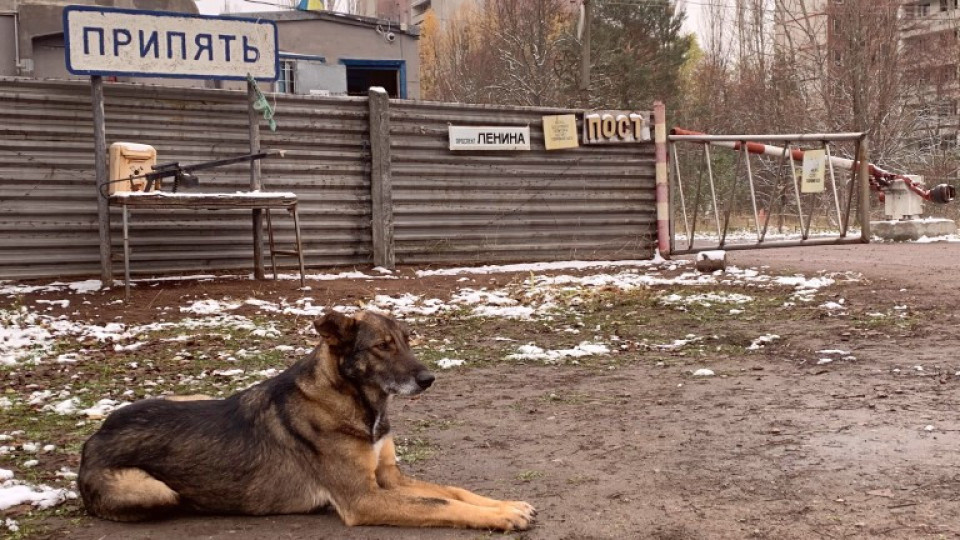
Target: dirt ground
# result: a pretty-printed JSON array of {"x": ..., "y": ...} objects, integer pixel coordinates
[{"x": 775, "y": 446}]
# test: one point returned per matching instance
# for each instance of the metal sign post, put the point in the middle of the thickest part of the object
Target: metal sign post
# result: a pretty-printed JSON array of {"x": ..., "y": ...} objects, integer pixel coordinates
[
  {"x": 127, "y": 42},
  {"x": 255, "y": 182},
  {"x": 100, "y": 175}
]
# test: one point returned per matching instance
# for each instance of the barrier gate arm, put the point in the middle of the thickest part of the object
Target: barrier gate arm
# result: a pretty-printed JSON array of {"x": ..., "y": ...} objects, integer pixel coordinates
[{"x": 879, "y": 178}]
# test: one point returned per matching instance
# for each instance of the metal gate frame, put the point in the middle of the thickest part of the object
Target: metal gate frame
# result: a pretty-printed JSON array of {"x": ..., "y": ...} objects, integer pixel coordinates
[{"x": 747, "y": 144}]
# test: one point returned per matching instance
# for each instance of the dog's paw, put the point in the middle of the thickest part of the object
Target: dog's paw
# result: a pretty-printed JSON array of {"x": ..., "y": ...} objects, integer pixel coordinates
[{"x": 520, "y": 515}]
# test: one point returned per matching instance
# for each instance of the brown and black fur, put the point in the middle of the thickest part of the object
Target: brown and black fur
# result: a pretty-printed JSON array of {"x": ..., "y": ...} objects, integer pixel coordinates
[{"x": 316, "y": 435}]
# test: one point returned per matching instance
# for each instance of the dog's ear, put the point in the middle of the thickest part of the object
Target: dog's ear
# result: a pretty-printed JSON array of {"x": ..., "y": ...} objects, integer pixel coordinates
[{"x": 337, "y": 329}]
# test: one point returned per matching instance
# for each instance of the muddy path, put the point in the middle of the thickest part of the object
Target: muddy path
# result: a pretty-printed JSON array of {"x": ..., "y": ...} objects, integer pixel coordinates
[{"x": 777, "y": 445}]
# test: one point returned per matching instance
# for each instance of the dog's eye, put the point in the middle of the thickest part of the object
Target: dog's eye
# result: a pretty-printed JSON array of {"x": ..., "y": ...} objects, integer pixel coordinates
[{"x": 385, "y": 346}]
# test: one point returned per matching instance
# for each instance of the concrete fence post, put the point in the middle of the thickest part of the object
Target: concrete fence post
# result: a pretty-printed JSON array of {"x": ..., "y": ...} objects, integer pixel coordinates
[{"x": 381, "y": 191}]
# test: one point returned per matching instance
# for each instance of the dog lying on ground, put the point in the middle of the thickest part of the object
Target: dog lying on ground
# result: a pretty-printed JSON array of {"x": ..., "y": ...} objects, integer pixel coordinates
[{"x": 316, "y": 435}]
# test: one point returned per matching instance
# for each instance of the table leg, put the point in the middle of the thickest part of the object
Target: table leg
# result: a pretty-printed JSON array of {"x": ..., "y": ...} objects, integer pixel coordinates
[{"x": 126, "y": 254}]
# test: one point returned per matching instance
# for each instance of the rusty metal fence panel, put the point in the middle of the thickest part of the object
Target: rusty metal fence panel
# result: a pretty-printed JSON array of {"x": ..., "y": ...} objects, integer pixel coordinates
[
  {"x": 587, "y": 203},
  {"x": 48, "y": 215},
  {"x": 488, "y": 207}
]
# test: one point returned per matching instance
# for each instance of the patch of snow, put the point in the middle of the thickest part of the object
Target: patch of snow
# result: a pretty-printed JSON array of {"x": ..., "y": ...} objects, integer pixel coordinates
[
  {"x": 679, "y": 343},
  {"x": 102, "y": 408},
  {"x": 62, "y": 303},
  {"x": 67, "y": 406},
  {"x": 88, "y": 286},
  {"x": 345, "y": 275},
  {"x": 706, "y": 299},
  {"x": 208, "y": 307},
  {"x": 447, "y": 363},
  {"x": 13, "y": 493},
  {"x": 504, "y": 312},
  {"x": 532, "y": 352},
  {"x": 540, "y": 267},
  {"x": 761, "y": 341},
  {"x": 66, "y": 474}
]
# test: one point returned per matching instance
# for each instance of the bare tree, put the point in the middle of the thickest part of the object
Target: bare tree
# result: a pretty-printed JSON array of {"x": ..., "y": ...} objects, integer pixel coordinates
[{"x": 500, "y": 51}]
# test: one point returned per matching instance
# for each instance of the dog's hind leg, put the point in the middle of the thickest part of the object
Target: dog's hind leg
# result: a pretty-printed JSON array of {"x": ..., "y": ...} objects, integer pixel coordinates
[{"x": 127, "y": 495}]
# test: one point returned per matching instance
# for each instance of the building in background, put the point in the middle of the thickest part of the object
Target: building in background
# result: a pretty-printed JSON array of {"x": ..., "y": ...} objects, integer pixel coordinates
[
  {"x": 929, "y": 41},
  {"x": 410, "y": 12},
  {"x": 329, "y": 53},
  {"x": 807, "y": 32},
  {"x": 321, "y": 53}
]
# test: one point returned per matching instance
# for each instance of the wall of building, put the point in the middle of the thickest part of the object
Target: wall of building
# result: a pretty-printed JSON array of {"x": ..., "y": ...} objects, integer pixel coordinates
[
  {"x": 336, "y": 42},
  {"x": 411, "y": 12},
  {"x": 443, "y": 10},
  {"x": 589, "y": 203}
]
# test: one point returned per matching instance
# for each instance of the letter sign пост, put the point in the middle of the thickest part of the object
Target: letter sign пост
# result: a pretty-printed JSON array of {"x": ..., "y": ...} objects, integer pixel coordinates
[
  {"x": 111, "y": 41},
  {"x": 607, "y": 127}
]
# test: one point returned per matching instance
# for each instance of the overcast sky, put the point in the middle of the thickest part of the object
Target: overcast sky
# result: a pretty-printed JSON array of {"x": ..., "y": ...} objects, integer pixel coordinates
[{"x": 692, "y": 23}]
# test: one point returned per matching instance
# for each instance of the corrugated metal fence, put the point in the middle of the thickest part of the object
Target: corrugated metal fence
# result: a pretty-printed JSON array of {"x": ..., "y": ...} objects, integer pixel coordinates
[{"x": 589, "y": 203}]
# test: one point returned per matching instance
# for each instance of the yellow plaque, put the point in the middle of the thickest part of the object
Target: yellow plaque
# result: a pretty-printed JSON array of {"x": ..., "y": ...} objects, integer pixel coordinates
[
  {"x": 814, "y": 165},
  {"x": 560, "y": 132}
]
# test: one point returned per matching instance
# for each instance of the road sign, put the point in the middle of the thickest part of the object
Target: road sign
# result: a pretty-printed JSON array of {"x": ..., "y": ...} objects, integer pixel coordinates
[{"x": 127, "y": 42}]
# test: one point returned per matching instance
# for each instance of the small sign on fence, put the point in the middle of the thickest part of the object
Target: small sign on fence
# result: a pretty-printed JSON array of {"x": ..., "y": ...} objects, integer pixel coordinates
[
  {"x": 560, "y": 132},
  {"x": 489, "y": 138},
  {"x": 606, "y": 127},
  {"x": 814, "y": 165},
  {"x": 128, "y": 42}
]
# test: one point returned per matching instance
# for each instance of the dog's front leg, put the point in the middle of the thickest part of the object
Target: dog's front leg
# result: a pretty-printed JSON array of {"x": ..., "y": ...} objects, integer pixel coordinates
[
  {"x": 389, "y": 476},
  {"x": 402, "y": 507},
  {"x": 360, "y": 499}
]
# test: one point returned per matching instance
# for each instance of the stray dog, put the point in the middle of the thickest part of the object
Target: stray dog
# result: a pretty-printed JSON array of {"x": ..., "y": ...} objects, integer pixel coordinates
[{"x": 316, "y": 435}]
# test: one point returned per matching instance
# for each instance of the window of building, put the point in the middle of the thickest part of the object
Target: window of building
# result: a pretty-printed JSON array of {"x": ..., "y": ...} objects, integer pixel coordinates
[
  {"x": 287, "y": 82},
  {"x": 947, "y": 108},
  {"x": 917, "y": 10},
  {"x": 389, "y": 74}
]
